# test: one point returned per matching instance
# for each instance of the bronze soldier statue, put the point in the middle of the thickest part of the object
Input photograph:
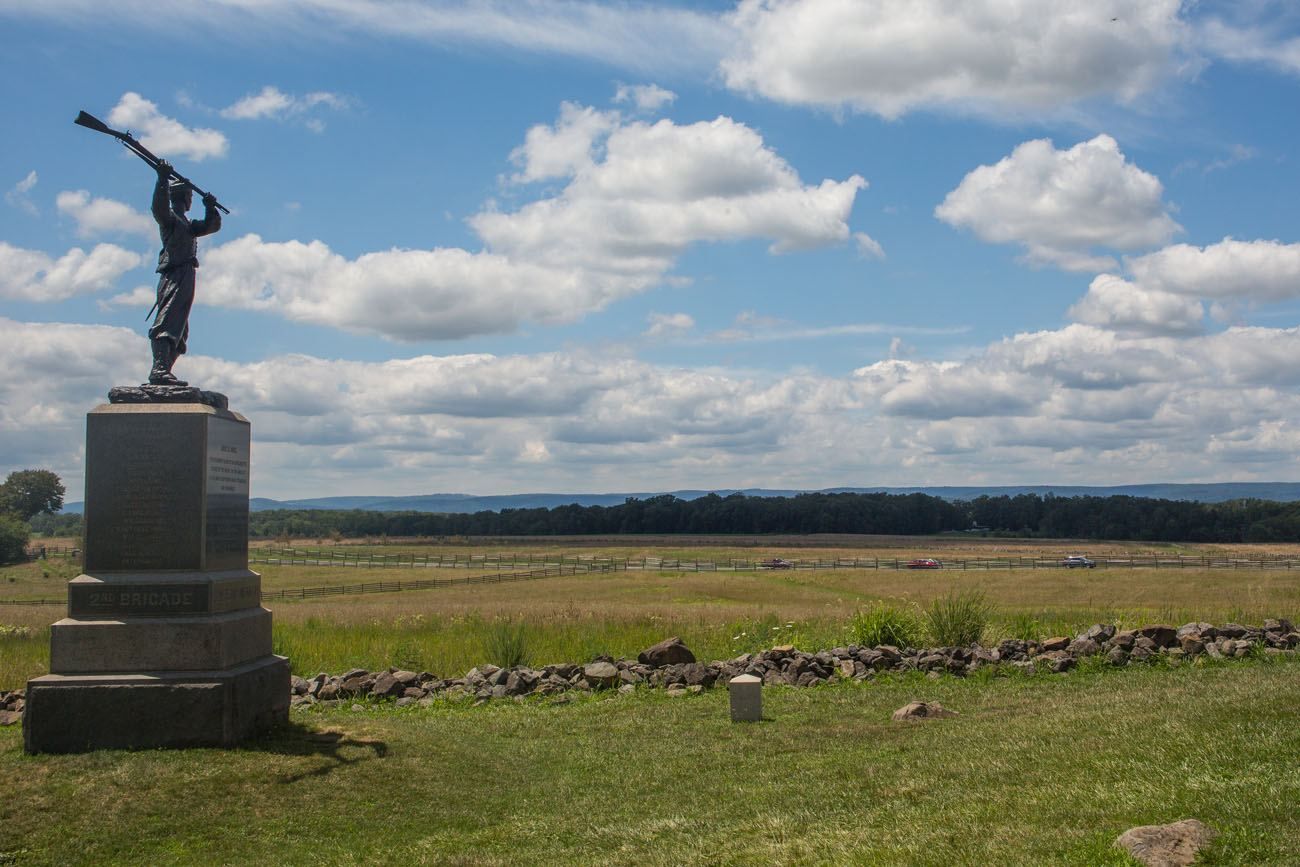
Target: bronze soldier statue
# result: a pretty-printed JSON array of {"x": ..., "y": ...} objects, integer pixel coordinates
[{"x": 177, "y": 262}]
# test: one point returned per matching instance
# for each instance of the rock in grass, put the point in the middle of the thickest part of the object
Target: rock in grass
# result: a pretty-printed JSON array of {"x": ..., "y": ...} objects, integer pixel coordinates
[
  {"x": 1049, "y": 645},
  {"x": 1173, "y": 845},
  {"x": 600, "y": 675},
  {"x": 10, "y": 717},
  {"x": 1201, "y": 630},
  {"x": 1099, "y": 632},
  {"x": 1278, "y": 626},
  {"x": 922, "y": 710},
  {"x": 387, "y": 686},
  {"x": 670, "y": 651},
  {"x": 1083, "y": 647},
  {"x": 1124, "y": 639},
  {"x": 1162, "y": 634},
  {"x": 1057, "y": 660}
]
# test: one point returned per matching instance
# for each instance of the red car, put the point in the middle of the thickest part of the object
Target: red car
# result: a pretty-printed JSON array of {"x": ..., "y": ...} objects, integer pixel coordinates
[{"x": 924, "y": 563}]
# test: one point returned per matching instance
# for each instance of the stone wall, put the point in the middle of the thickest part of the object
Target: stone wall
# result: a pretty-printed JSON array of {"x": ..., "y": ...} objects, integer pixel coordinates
[{"x": 784, "y": 666}]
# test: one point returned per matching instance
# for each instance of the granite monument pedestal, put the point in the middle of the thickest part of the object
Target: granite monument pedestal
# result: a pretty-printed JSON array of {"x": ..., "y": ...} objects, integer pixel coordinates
[{"x": 165, "y": 643}]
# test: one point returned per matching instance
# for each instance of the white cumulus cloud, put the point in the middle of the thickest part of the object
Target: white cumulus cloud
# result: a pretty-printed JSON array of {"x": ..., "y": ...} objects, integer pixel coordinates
[
  {"x": 1115, "y": 303},
  {"x": 1000, "y": 57},
  {"x": 1063, "y": 205},
  {"x": 31, "y": 275},
  {"x": 636, "y": 196},
  {"x": 1080, "y": 404},
  {"x": 565, "y": 148},
  {"x": 98, "y": 216},
  {"x": 1230, "y": 269},
  {"x": 165, "y": 136}
]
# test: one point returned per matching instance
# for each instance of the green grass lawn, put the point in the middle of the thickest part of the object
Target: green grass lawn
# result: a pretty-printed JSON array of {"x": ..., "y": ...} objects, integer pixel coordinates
[{"x": 1035, "y": 770}]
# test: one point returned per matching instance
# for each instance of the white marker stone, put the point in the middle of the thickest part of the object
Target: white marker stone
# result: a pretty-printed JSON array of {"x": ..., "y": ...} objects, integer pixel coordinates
[{"x": 746, "y": 698}]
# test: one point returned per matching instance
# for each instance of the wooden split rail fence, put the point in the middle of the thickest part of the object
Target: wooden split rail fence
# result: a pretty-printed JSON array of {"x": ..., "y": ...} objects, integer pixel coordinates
[
  {"x": 371, "y": 560},
  {"x": 390, "y": 586},
  {"x": 427, "y": 584},
  {"x": 578, "y": 565}
]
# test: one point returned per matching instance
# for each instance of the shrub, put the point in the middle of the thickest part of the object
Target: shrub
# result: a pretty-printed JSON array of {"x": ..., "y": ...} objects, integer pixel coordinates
[
  {"x": 884, "y": 623},
  {"x": 13, "y": 539},
  {"x": 506, "y": 644},
  {"x": 959, "y": 618}
]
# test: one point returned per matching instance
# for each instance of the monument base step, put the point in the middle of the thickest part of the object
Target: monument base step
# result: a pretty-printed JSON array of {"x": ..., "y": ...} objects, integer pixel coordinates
[{"x": 79, "y": 713}]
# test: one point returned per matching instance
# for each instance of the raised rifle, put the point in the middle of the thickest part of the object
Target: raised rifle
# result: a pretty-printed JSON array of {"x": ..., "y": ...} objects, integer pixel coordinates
[{"x": 130, "y": 143}]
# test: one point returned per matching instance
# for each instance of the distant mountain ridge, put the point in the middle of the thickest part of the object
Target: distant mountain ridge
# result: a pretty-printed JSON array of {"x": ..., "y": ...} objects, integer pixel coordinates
[
  {"x": 1212, "y": 492},
  {"x": 1205, "y": 493}
]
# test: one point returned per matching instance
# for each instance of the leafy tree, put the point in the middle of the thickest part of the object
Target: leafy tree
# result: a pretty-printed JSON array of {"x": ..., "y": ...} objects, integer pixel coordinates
[
  {"x": 27, "y": 493},
  {"x": 13, "y": 539}
]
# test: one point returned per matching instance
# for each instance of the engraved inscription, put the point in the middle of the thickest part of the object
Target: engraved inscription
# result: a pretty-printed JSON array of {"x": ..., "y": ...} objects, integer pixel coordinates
[
  {"x": 127, "y": 600},
  {"x": 142, "y": 512},
  {"x": 226, "y": 544}
]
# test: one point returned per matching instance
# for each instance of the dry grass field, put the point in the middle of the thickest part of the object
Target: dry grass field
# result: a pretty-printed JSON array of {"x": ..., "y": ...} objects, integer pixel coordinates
[{"x": 719, "y": 614}]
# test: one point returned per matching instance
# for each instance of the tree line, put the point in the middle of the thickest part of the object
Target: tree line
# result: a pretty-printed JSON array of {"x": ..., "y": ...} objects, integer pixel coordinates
[
  {"x": 34, "y": 495},
  {"x": 1024, "y": 515}
]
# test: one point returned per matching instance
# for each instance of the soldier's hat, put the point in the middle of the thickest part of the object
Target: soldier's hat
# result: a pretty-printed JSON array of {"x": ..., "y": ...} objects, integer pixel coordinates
[{"x": 177, "y": 184}]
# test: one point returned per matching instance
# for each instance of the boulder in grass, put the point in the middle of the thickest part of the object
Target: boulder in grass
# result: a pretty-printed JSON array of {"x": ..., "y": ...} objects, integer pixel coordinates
[
  {"x": 922, "y": 710},
  {"x": 1048, "y": 645},
  {"x": 1162, "y": 634},
  {"x": 599, "y": 675},
  {"x": 10, "y": 717},
  {"x": 1083, "y": 647},
  {"x": 1099, "y": 632},
  {"x": 1281, "y": 627},
  {"x": 1201, "y": 630},
  {"x": 670, "y": 651},
  {"x": 1124, "y": 639},
  {"x": 1173, "y": 845},
  {"x": 387, "y": 686},
  {"x": 1232, "y": 630}
]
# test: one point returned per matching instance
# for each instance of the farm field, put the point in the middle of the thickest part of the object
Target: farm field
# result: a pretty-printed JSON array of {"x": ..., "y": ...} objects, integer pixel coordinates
[{"x": 719, "y": 614}]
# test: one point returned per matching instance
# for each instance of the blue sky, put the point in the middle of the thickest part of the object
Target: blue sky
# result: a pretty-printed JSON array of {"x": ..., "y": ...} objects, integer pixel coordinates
[{"x": 499, "y": 247}]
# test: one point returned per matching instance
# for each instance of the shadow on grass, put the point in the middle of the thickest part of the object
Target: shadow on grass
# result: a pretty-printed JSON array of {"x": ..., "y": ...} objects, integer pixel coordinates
[{"x": 296, "y": 739}]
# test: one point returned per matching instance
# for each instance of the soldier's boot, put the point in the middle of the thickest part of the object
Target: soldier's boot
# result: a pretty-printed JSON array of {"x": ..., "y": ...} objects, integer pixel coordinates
[{"x": 164, "y": 356}]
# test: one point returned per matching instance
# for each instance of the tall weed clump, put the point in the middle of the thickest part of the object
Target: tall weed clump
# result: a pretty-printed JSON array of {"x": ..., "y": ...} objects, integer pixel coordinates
[
  {"x": 1024, "y": 627},
  {"x": 959, "y": 618},
  {"x": 886, "y": 623},
  {"x": 506, "y": 644}
]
